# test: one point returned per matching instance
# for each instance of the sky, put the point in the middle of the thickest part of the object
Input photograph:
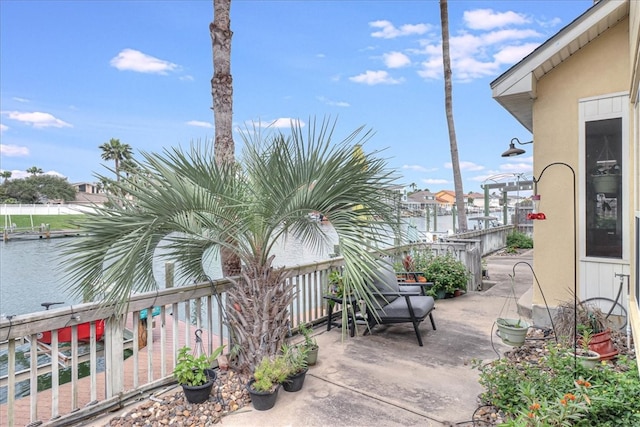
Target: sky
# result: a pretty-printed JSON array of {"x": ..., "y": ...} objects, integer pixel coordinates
[{"x": 74, "y": 74}]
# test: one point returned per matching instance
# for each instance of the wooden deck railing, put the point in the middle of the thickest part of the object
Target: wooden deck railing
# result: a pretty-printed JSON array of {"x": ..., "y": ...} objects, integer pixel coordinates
[{"x": 136, "y": 356}]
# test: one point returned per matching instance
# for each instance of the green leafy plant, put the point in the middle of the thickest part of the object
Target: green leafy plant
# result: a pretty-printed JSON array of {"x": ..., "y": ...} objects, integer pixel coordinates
[
  {"x": 609, "y": 398},
  {"x": 295, "y": 357},
  {"x": 310, "y": 342},
  {"x": 517, "y": 240},
  {"x": 565, "y": 409},
  {"x": 191, "y": 370},
  {"x": 335, "y": 284},
  {"x": 269, "y": 373},
  {"x": 447, "y": 273}
]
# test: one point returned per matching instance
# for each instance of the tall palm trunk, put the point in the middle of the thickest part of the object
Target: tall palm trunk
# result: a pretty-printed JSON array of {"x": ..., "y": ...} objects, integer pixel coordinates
[
  {"x": 453, "y": 143},
  {"x": 222, "y": 93}
]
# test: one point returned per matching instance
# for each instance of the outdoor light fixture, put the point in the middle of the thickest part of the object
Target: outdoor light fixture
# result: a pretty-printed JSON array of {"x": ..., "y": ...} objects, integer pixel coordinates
[{"x": 513, "y": 151}]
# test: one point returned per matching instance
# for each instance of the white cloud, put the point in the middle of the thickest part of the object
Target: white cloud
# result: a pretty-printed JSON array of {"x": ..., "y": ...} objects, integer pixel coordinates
[
  {"x": 388, "y": 31},
  {"x": 38, "y": 119},
  {"x": 396, "y": 60},
  {"x": 333, "y": 103},
  {"x": 435, "y": 181},
  {"x": 18, "y": 99},
  {"x": 283, "y": 122},
  {"x": 513, "y": 54},
  {"x": 553, "y": 22},
  {"x": 486, "y": 19},
  {"x": 418, "y": 168},
  {"x": 521, "y": 165},
  {"x": 476, "y": 56},
  {"x": 467, "y": 166},
  {"x": 13, "y": 150},
  {"x": 199, "y": 123},
  {"x": 134, "y": 60},
  {"x": 375, "y": 78},
  {"x": 3, "y": 127}
]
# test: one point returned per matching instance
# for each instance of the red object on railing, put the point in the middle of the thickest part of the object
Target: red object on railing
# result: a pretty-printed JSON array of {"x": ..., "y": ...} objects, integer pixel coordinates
[{"x": 84, "y": 333}]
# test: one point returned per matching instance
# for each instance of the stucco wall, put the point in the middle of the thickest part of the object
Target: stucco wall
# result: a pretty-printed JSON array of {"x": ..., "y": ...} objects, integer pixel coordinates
[{"x": 602, "y": 67}]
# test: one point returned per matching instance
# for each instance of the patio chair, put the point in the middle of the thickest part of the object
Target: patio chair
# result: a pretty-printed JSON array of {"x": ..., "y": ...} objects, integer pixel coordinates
[{"x": 396, "y": 303}]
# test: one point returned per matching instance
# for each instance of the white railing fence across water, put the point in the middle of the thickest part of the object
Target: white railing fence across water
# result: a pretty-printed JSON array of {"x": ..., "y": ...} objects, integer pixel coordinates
[{"x": 137, "y": 356}]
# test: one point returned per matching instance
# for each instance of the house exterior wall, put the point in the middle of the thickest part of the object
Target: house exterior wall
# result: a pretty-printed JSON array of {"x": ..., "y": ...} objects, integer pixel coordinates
[
  {"x": 599, "y": 69},
  {"x": 634, "y": 64}
]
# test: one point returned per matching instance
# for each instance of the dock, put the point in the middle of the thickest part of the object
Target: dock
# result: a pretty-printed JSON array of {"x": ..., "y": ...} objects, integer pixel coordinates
[{"x": 41, "y": 232}]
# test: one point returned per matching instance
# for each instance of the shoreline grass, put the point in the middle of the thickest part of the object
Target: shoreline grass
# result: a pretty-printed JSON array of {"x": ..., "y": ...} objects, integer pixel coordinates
[{"x": 56, "y": 222}]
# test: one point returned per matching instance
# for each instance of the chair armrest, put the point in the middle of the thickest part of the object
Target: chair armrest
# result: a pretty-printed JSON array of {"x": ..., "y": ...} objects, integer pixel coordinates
[{"x": 423, "y": 284}]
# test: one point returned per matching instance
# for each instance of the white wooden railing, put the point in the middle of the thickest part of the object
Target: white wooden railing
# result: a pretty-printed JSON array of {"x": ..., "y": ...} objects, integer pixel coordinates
[{"x": 135, "y": 356}]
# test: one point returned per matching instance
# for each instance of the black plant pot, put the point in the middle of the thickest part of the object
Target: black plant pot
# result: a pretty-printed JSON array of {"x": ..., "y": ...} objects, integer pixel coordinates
[
  {"x": 294, "y": 382},
  {"x": 262, "y": 400},
  {"x": 197, "y": 394}
]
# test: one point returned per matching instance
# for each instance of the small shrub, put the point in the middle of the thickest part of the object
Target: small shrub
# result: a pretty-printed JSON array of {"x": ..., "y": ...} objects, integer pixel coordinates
[
  {"x": 517, "y": 240},
  {"x": 534, "y": 393},
  {"x": 447, "y": 273}
]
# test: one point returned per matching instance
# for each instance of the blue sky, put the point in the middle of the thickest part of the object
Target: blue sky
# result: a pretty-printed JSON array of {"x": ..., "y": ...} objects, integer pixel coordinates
[{"x": 74, "y": 74}]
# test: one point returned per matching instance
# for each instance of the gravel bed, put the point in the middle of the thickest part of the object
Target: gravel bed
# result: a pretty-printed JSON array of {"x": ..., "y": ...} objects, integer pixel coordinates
[{"x": 229, "y": 394}]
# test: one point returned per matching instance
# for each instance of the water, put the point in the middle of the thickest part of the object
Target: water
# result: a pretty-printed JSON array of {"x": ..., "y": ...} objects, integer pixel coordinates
[{"x": 31, "y": 271}]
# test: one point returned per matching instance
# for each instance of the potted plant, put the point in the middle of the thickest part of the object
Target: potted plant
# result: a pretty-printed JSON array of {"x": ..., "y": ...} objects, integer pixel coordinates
[
  {"x": 512, "y": 331},
  {"x": 194, "y": 374},
  {"x": 267, "y": 378},
  {"x": 587, "y": 357},
  {"x": 448, "y": 275},
  {"x": 310, "y": 344},
  {"x": 588, "y": 319},
  {"x": 335, "y": 284},
  {"x": 485, "y": 269},
  {"x": 295, "y": 357}
]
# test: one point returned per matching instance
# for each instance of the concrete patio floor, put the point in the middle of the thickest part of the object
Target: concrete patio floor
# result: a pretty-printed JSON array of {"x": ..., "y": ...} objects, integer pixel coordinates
[{"x": 386, "y": 379}]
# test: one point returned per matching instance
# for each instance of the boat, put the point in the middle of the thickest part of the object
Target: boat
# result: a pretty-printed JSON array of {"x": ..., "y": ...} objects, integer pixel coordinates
[{"x": 64, "y": 334}]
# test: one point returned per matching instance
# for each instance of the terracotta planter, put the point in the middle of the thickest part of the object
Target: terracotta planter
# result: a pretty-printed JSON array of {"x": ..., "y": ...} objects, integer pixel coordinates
[{"x": 601, "y": 343}]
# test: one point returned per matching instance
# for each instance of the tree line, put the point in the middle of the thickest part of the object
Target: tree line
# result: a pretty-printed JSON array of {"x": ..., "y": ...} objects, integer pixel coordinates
[{"x": 39, "y": 187}]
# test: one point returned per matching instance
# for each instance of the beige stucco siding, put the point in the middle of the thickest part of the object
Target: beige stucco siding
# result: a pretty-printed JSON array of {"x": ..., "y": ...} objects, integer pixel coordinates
[{"x": 602, "y": 67}]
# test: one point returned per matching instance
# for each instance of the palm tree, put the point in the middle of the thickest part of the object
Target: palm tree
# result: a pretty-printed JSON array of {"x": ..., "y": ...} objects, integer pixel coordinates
[
  {"x": 448, "y": 100},
  {"x": 6, "y": 175},
  {"x": 222, "y": 81},
  {"x": 34, "y": 170},
  {"x": 116, "y": 151},
  {"x": 222, "y": 93},
  {"x": 193, "y": 204}
]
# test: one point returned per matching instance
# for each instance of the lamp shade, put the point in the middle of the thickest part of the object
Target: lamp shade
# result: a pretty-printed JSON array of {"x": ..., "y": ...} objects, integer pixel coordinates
[{"x": 513, "y": 151}]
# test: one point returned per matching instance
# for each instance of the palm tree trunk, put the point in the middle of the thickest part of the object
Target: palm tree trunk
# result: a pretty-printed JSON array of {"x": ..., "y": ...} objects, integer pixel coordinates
[
  {"x": 258, "y": 311},
  {"x": 222, "y": 93},
  {"x": 453, "y": 143},
  {"x": 222, "y": 82}
]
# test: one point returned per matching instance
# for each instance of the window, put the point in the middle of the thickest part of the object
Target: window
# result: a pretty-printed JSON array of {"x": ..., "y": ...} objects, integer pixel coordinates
[{"x": 603, "y": 181}]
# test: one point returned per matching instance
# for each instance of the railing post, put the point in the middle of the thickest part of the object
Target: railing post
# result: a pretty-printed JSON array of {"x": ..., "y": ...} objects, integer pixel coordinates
[
  {"x": 113, "y": 354},
  {"x": 169, "y": 268}
]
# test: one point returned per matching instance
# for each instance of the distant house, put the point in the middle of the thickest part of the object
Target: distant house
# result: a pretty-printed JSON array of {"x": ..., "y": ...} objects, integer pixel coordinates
[
  {"x": 578, "y": 94},
  {"x": 86, "y": 187},
  {"x": 88, "y": 194}
]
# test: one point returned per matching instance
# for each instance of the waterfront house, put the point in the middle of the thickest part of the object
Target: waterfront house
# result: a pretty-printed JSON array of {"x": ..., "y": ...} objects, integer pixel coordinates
[{"x": 578, "y": 95}]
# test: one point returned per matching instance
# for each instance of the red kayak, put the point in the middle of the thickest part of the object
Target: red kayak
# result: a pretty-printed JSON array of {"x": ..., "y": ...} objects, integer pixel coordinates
[{"x": 84, "y": 333}]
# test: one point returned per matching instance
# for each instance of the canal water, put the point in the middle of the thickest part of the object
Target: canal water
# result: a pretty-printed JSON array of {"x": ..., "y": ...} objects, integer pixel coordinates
[{"x": 31, "y": 271}]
